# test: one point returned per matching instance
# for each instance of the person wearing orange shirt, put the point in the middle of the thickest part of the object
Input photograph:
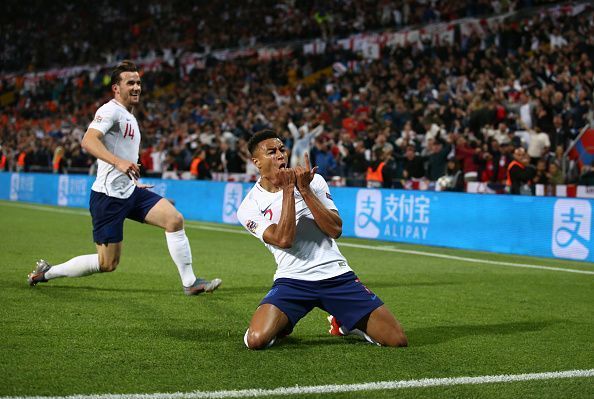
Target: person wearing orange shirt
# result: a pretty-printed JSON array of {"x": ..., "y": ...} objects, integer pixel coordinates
[
  {"x": 199, "y": 168},
  {"x": 519, "y": 172}
]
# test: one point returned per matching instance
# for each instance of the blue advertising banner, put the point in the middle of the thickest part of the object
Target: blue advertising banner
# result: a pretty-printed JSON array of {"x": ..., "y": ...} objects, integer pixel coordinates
[{"x": 537, "y": 226}]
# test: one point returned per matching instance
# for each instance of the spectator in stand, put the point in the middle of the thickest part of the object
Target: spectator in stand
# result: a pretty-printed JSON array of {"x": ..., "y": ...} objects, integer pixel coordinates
[
  {"x": 451, "y": 86},
  {"x": 541, "y": 175},
  {"x": 4, "y": 165},
  {"x": 302, "y": 141},
  {"x": 555, "y": 174},
  {"x": 393, "y": 170},
  {"x": 587, "y": 176},
  {"x": 230, "y": 159},
  {"x": 58, "y": 162},
  {"x": 413, "y": 164},
  {"x": 356, "y": 164},
  {"x": 158, "y": 157},
  {"x": 520, "y": 173},
  {"x": 468, "y": 155},
  {"x": 437, "y": 160},
  {"x": 493, "y": 162},
  {"x": 22, "y": 162},
  {"x": 378, "y": 175},
  {"x": 453, "y": 179},
  {"x": 79, "y": 161},
  {"x": 560, "y": 135},
  {"x": 538, "y": 145},
  {"x": 322, "y": 157},
  {"x": 199, "y": 168}
]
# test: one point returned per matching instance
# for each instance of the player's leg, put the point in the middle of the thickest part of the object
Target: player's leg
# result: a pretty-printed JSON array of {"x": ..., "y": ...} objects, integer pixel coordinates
[
  {"x": 267, "y": 323},
  {"x": 160, "y": 212},
  {"x": 286, "y": 303},
  {"x": 357, "y": 310},
  {"x": 106, "y": 259},
  {"x": 79, "y": 266},
  {"x": 382, "y": 327},
  {"x": 108, "y": 226},
  {"x": 109, "y": 256}
]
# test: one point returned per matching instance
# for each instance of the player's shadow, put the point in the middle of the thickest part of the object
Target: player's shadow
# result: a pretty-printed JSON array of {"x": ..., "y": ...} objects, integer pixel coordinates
[
  {"x": 439, "y": 334},
  {"x": 60, "y": 289}
]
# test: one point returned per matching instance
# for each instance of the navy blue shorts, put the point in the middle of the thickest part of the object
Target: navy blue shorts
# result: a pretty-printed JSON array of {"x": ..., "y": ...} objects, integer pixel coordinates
[
  {"x": 344, "y": 297},
  {"x": 109, "y": 213}
]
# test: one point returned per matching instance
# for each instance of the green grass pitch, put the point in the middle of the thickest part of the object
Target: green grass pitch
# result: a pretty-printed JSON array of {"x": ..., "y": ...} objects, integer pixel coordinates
[{"x": 133, "y": 331}]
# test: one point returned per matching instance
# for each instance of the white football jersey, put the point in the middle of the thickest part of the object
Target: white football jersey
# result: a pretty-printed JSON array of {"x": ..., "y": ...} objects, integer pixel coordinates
[
  {"x": 121, "y": 138},
  {"x": 314, "y": 256}
]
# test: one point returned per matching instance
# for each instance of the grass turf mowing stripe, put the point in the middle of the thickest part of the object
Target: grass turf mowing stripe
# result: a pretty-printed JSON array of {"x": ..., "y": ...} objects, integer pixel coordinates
[
  {"x": 322, "y": 389},
  {"x": 343, "y": 244}
]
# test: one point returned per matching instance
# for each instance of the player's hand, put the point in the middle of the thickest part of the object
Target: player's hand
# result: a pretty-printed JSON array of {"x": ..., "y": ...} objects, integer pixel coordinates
[
  {"x": 142, "y": 185},
  {"x": 132, "y": 170},
  {"x": 285, "y": 178},
  {"x": 304, "y": 175}
]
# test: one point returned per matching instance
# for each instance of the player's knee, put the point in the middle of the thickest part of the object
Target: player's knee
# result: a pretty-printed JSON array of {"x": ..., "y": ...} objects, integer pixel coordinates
[
  {"x": 108, "y": 265},
  {"x": 257, "y": 340},
  {"x": 396, "y": 338},
  {"x": 175, "y": 222}
]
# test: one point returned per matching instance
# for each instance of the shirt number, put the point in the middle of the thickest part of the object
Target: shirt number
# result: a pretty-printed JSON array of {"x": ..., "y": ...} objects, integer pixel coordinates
[{"x": 129, "y": 132}]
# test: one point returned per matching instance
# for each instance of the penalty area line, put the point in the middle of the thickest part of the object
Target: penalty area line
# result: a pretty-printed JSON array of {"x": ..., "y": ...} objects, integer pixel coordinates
[{"x": 324, "y": 389}]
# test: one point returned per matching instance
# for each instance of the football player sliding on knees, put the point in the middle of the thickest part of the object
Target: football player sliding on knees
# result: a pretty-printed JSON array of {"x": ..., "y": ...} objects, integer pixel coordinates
[{"x": 292, "y": 213}]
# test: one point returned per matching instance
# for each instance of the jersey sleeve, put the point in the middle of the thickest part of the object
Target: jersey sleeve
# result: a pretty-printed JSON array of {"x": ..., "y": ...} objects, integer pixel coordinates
[
  {"x": 251, "y": 218},
  {"x": 322, "y": 191},
  {"x": 104, "y": 119}
]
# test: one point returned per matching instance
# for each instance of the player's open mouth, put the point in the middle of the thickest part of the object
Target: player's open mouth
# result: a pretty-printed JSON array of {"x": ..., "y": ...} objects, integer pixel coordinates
[{"x": 282, "y": 165}]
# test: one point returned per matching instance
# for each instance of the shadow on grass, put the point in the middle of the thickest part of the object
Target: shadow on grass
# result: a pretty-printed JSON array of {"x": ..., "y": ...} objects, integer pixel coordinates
[
  {"x": 54, "y": 288},
  {"x": 438, "y": 334}
]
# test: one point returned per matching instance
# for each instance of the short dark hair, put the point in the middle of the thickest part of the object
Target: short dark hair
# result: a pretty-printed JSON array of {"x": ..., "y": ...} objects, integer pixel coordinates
[
  {"x": 124, "y": 66},
  {"x": 259, "y": 137}
]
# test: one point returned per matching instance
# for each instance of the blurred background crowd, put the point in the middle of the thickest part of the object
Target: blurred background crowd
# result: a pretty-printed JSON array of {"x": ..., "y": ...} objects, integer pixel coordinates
[{"x": 420, "y": 115}]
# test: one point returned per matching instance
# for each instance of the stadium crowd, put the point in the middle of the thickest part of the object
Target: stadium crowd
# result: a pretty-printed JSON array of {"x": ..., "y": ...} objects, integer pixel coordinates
[
  {"x": 421, "y": 113},
  {"x": 65, "y": 33}
]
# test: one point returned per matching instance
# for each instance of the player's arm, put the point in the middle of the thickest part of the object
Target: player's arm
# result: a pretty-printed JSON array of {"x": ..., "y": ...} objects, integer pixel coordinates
[
  {"x": 282, "y": 235},
  {"x": 327, "y": 220},
  {"x": 92, "y": 143}
]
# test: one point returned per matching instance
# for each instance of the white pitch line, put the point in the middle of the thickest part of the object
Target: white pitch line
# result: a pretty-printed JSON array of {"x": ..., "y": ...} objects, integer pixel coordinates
[
  {"x": 464, "y": 259},
  {"x": 324, "y": 389},
  {"x": 342, "y": 244},
  {"x": 69, "y": 211},
  {"x": 420, "y": 253}
]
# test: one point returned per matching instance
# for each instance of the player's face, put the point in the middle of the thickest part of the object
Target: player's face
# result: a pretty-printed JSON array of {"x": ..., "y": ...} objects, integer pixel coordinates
[
  {"x": 270, "y": 156},
  {"x": 127, "y": 92}
]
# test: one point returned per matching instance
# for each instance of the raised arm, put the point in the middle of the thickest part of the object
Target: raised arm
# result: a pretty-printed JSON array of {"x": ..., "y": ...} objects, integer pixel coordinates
[
  {"x": 316, "y": 131},
  {"x": 326, "y": 219},
  {"x": 294, "y": 131},
  {"x": 93, "y": 144}
]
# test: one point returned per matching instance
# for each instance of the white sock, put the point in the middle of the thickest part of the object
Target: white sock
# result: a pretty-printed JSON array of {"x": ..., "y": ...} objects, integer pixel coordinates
[
  {"x": 76, "y": 267},
  {"x": 179, "y": 249},
  {"x": 245, "y": 341}
]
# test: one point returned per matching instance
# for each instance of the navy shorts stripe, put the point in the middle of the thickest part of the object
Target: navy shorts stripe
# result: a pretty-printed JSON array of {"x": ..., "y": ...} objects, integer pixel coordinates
[
  {"x": 109, "y": 213},
  {"x": 344, "y": 297}
]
